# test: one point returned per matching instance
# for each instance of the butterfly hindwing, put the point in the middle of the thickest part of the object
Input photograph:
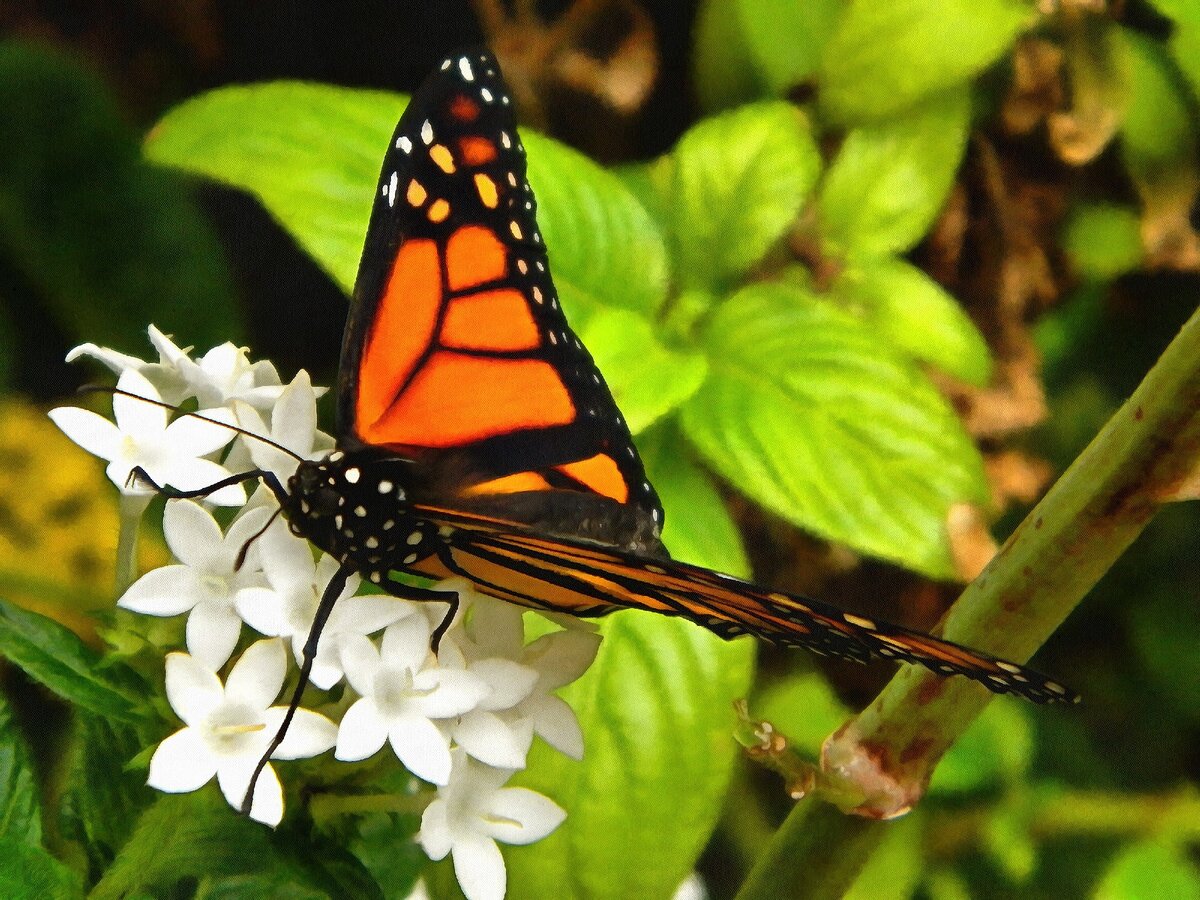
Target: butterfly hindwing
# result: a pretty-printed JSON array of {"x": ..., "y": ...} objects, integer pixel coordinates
[{"x": 457, "y": 353}]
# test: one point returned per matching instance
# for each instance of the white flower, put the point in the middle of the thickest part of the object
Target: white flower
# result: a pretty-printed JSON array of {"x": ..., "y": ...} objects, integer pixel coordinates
[
  {"x": 204, "y": 581},
  {"x": 474, "y": 811},
  {"x": 287, "y": 608},
  {"x": 228, "y": 728},
  {"x": 500, "y": 731},
  {"x": 293, "y": 425},
  {"x": 171, "y": 453},
  {"x": 221, "y": 375},
  {"x": 403, "y": 690}
]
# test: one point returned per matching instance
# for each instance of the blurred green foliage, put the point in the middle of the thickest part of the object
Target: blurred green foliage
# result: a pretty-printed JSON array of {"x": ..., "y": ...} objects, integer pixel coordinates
[{"x": 757, "y": 300}]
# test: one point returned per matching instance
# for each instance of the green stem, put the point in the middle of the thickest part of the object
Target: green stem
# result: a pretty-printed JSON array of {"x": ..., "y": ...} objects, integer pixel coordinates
[
  {"x": 130, "y": 508},
  {"x": 1084, "y": 523}
]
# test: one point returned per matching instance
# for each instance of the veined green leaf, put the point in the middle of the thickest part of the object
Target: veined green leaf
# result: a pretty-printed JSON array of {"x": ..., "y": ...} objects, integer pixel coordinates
[
  {"x": 884, "y": 57},
  {"x": 807, "y": 412},
  {"x": 58, "y": 659},
  {"x": 31, "y": 873},
  {"x": 889, "y": 180},
  {"x": 916, "y": 316},
  {"x": 647, "y": 378},
  {"x": 698, "y": 528},
  {"x": 657, "y": 716},
  {"x": 785, "y": 39},
  {"x": 20, "y": 805},
  {"x": 313, "y": 157},
  {"x": 737, "y": 182}
]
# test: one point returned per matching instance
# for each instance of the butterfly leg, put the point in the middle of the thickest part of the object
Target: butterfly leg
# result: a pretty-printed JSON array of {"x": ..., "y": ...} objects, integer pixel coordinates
[
  {"x": 408, "y": 592},
  {"x": 333, "y": 590},
  {"x": 138, "y": 475}
]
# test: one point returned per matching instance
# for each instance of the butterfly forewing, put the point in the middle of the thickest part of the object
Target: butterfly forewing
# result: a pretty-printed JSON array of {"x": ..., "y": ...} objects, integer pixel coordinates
[{"x": 457, "y": 352}]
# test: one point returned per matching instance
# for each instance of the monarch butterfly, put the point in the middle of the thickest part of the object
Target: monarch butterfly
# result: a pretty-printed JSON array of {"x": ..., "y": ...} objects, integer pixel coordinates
[{"x": 477, "y": 438}]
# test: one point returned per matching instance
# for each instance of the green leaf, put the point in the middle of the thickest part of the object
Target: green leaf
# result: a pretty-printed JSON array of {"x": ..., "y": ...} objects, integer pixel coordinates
[
  {"x": 698, "y": 528},
  {"x": 30, "y": 873},
  {"x": 187, "y": 838},
  {"x": 1150, "y": 868},
  {"x": 58, "y": 659},
  {"x": 311, "y": 153},
  {"x": 997, "y": 748},
  {"x": 803, "y": 708},
  {"x": 737, "y": 182},
  {"x": 20, "y": 806},
  {"x": 1104, "y": 240},
  {"x": 889, "y": 180},
  {"x": 785, "y": 39},
  {"x": 1158, "y": 129},
  {"x": 915, "y": 315},
  {"x": 106, "y": 242},
  {"x": 722, "y": 69},
  {"x": 647, "y": 379},
  {"x": 657, "y": 716},
  {"x": 884, "y": 57},
  {"x": 808, "y": 413},
  {"x": 104, "y": 794}
]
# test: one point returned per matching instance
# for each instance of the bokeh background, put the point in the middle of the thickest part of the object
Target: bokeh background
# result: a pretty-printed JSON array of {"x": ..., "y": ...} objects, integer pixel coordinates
[{"x": 1069, "y": 237}]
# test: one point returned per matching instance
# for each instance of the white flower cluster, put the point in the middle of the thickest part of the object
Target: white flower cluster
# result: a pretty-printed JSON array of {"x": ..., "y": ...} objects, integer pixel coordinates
[{"x": 463, "y": 719}]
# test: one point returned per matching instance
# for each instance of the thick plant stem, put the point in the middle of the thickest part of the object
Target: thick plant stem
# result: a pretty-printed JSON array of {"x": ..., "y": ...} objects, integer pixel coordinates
[{"x": 1139, "y": 460}]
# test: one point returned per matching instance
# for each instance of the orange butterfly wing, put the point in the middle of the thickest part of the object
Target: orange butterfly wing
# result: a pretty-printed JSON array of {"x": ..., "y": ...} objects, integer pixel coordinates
[{"x": 457, "y": 353}]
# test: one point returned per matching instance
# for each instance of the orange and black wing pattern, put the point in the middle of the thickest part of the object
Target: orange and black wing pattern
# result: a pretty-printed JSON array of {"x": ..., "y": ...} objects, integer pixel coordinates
[
  {"x": 457, "y": 353},
  {"x": 584, "y": 579}
]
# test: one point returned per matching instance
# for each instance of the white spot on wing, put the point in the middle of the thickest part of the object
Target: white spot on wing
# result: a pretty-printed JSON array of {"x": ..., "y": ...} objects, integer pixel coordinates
[
  {"x": 486, "y": 95},
  {"x": 391, "y": 189},
  {"x": 403, "y": 143},
  {"x": 464, "y": 66},
  {"x": 427, "y": 132}
]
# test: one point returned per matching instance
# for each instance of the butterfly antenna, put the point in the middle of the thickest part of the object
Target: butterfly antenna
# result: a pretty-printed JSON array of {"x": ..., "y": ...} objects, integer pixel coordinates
[
  {"x": 116, "y": 391},
  {"x": 241, "y": 556}
]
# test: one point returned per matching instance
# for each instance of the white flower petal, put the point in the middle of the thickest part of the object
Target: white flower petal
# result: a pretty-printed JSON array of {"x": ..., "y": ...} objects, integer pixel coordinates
[
  {"x": 212, "y": 632},
  {"x": 182, "y": 763},
  {"x": 193, "y": 689},
  {"x": 192, "y": 534},
  {"x": 491, "y": 740},
  {"x": 115, "y": 360},
  {"x": 360, "y": 661},
  {"x": 257, "y": 677},
  {"x": 92, "y": 432},
  {"x": 362, "y": 732},
  {"x": 562, "y": 656},
  {"x": 263, "y": 609},
  {"x": 455, "y": 692},
  {"x": 422, "y": 748},
  {"x": 134, "y": 415},
  {"x": 367, "y": 614},
  {"x": 509, "y": 682},
  {"x": 479, "y": 868},
  {"x": 555, "y": 720},
  {"x": 520, "y": 816},
  {"x": 406, "y": 643},
  {"x": 200, "y": 436},
  {"x": 435, "y": 836},
  {"x": 308, "y": 734},
  {"x": 234, "y": 777},
  {"x": 166, "y": 591}
]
